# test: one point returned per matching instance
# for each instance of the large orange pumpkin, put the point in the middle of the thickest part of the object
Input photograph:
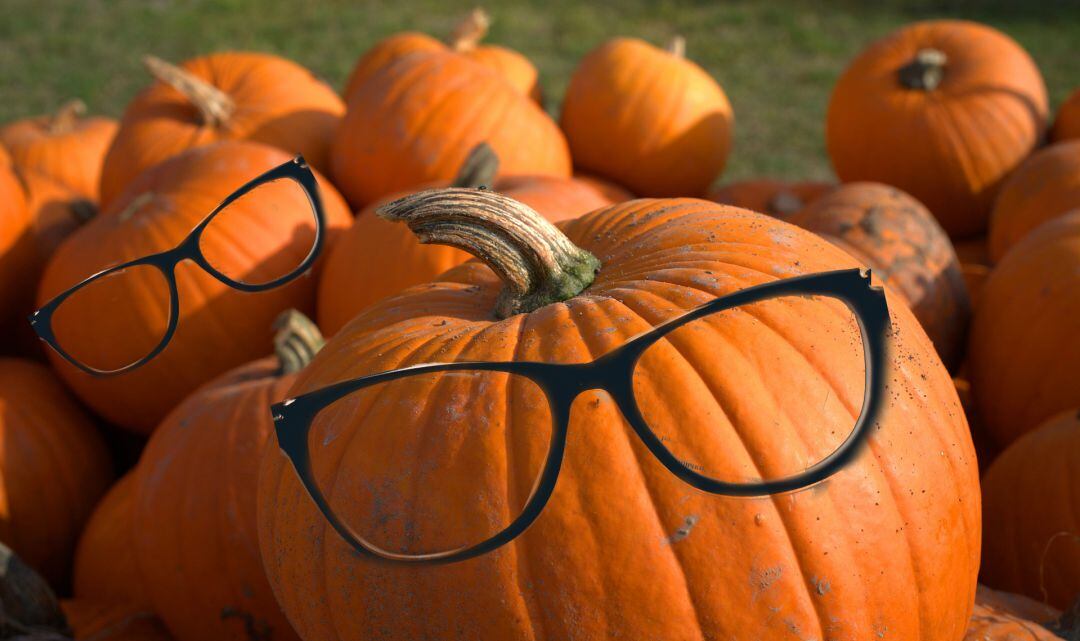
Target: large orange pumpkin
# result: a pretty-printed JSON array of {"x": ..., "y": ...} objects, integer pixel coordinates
[
  {"x": 1031, "y": 540},
  {"x": 17, "y": 253},
  {"x": 53, "y": 468},
  {"x": 647, "y": 118},
  {"x": 1067, "y": 123},
  {"x": 1046, "y": 186},
  {"x": 92, "y": 620},
  {"x": 416, "y": 119},
  {"x": 896, "y": 236},
  {"x": 64, "y": 146},
  {"x": 990, "y": 622},
  {"x": 624, "y": 549},
  {"x": 219, "y": 327},
  {"x": 105, "y": 565},
  {"x": 943, "y": 109},
  {"x": 198, "y": 546},
  {"x": 465, "y": 40},
  {"x": 222, "y": 96},
  {"x": 1024, "y": 341},
  {"x": 777, "y": 198}
]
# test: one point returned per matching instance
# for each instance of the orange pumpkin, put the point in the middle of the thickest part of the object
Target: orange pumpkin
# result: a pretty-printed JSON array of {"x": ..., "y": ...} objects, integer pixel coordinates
[
  {"x": 64, "y": 146},
  {"x": 222, "y": 96},
  {"x": 943, "y": 109},
  {"x": 602, "y": 561},
  {"x": 415, "y": 120},
  {"x": 1024, "y": 344},
  {"x": 5, "y": 157},
  {"x": 892, "y": 233},
  {"x": 465, "y": 40},
  {"x": 53, "y": 468},
  {"x": 95, "y": 620},
  {"x": 17, "y": 253},
  {"x": 1046, "y": 186},
  {"x": 1067, "y": 124},
  {"x": 197, "y": 546},
  {"x": 991, "y": 623},
  {"x": 777, "y": 198},
  {"x": 647, "y": 118},
  {"x": 219, "y": 327},
  {"x": 985, "y": 450},
  {"x": 975, "y": 265},
  {"x": 105, "y": 565}
]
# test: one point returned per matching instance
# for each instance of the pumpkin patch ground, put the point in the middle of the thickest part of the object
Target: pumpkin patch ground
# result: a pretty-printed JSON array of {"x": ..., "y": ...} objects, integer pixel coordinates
[{"x": 419, "y": 320}]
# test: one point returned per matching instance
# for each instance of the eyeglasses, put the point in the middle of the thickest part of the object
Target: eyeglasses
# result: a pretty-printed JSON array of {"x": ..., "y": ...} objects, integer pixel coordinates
[
  {"x": 404, "y": 469},
  {"x": 139, "y": 330}
]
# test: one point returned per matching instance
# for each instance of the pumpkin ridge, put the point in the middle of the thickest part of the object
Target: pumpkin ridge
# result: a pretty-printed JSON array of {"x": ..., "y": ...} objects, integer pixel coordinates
[{"x": 480, "y": 106}]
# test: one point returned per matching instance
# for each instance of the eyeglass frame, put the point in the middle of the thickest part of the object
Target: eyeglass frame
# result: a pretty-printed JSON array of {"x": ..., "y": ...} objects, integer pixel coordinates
[
  {"x": 165, "y": 262},
  {"x": 613, "y": 373}
]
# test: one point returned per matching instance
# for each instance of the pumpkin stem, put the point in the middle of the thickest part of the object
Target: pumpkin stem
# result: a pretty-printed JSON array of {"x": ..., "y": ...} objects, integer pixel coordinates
[
  {"x": 137, "y": 203},
  {"x": 677, "y": 47},
  {"x": 214, "y": 105},
  {"x": 66, "y": 117},
  {"x": 296, "y": 342},
  {"x": 27, "y": 603},
  {"x": 83, "y": 210},
  {"x": 536, "y": 262},
  {"x": 470, "y": 31},
  {"x": 479, "y": 168},
  {"x": 925, "y": 71}
]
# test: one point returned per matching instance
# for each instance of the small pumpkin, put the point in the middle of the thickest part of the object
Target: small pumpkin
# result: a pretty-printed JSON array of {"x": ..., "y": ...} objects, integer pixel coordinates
[
  {"x": 1023, "y": 344},
  {"x": 777, "y": 198},
  {"x": 1031, "y": 541},
  {"x": 892, "y": 233},
  {"x": 1046, "y": 186},
  {"x": 197, "y": 545},
  {"x": 223, "y": 96},
  {"x": 647, "y": 118},
  {"x": 53, "y": 468},
  {"x": 97, "y": 620},
  {"x": 105, "y": 565},
  {"x": 943, "y": 109},
  {"x": 1067, "y": 124},
  {"x": 219, "y": 327},
  {"x": 991, "y": 623}
]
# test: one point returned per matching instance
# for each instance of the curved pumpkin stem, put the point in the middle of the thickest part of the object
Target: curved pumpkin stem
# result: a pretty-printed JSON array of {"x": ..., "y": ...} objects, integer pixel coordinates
[
  {"x": 214, "y": 105},
  {"x": 27, "y": 603},
  {"x": 470, "y": 31},
  {"x": 479, "y": 168},
  {"x": 677, "y": 47},
  {"x": 925, "y": 71},
  {"x": 536, "y": 262},
  {"x": 296, "y": 342},
  {"x": 66, "y": 117}
]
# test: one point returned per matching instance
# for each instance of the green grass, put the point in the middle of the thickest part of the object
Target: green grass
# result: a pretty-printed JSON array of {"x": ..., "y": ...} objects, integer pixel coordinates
[{"x": 776, "y": 60}]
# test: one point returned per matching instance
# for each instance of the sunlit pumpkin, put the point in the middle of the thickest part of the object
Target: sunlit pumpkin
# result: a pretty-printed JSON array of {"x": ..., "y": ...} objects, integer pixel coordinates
[
  {"x": 777, "y": 198},
  {"x": 105, "y": 566},
  {"x": 1067, "y": 123},
  {"x": 17, "y": 253}
]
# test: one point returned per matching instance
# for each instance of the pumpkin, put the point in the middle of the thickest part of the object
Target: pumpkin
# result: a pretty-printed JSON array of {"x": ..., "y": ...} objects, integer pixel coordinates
[
  {"x": 943, "y": 109},
  {"x": 105, "y": 565},
  {"x": 64, "y": 146},
  {"x": 17, "y": 253},
  {"x": 1067, "y": 124},
  {"x": 777, "y": 198},
  {"x": 975, "y": 265},
  {"x": 53, "y": 467},
  {"x": 5, "y": 157},
  {"x": 892, "y": 233},
  {"x": 1046, "y": 186},
  {"x": 354, "y": 276},
  {"x": 416, "y": 119},
  {"x": 614, "y": 554},
  {"x": 95, "y": 620},
  {"x": 219, "y": 327},
  {"x": 197, "y": 546},
  {"x": 647, "y": 118},
  {"x": 990, "y": 623},
  {"x": 465, "y": 40},
  {"x": 1023, "y": 344},
  {"x": 1031, "y": 542},
  {"x": 985, "y": 450},
  {"x": 222, "y": 96}
]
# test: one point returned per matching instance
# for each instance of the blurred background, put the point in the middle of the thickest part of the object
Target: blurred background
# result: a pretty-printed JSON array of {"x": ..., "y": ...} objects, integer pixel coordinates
[{"x": 776, "y": 60}]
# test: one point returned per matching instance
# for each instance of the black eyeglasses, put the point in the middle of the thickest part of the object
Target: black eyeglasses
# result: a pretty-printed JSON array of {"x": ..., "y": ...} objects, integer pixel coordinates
[
  {"x": 141, "y": 327},
  {"x": 401, "y": 473}
]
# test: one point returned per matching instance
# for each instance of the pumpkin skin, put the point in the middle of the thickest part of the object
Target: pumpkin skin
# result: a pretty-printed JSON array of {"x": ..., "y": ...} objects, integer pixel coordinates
[
  {"x": 416, "y": 120},
  {"x": 951, "y": 146},
  {"x": 105, "y": 565},
  {"x": 1067, "y": 123},
  {"x": 777, "y": 198},
  {"x": 974, "y": 257},
  {"x": 53, "y": 468},
  {"x": 5, "y": 157},
  {"x": 647, "y": 119},
  {"x": 1024, "y": 342},
  {"x": 65, "y": 147},
  {"x": 17, "y": 254},
  {"x": 989, "y": 623},
  {"x": 354, "y": 278},
  {"x": 596, "y": 564},
  {"x": 893, "y": 234},
  {"x": 219, "y": 327},
  {"x": 93, "y": 620},
  {"x": 1046, "y": 186},
  {"x": 1030, "y": 540},
  {"x": 277, "y": 102}
]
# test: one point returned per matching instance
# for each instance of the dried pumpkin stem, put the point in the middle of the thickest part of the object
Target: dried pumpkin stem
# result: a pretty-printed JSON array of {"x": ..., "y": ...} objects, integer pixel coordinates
[
  {"x": 66, "y": 117},
  {"x": 677, "y": 47},
  {"x": 925, "y": 71},
  {"x": 537, "y": 263},
  {"x": 296, "y": 342},
  {"x": 214, "y": 105},
  {"x": 470, "y": 31},
  {"x": 27, "y": 603},
  {"x": 479, "y": 168}
]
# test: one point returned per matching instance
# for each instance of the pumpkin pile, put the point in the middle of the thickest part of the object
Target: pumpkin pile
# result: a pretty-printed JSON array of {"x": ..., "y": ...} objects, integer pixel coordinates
[{"x": 971, "y": 475}]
